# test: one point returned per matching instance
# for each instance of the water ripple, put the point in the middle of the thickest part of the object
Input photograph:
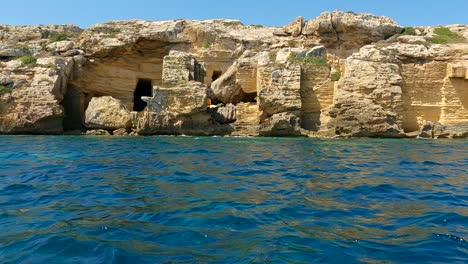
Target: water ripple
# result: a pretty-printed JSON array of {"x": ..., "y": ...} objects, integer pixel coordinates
[{"x": 217, "y": 200}]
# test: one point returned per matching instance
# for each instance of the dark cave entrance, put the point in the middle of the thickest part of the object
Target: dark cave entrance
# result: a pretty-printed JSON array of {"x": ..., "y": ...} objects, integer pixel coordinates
[
  {"x": 143, "y": 88},
  {"x": 216, "y": 75},
  {"x": 249, "y": 97}
]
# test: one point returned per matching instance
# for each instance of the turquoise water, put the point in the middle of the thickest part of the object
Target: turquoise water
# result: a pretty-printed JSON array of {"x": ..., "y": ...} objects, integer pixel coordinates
[{"x": 217, "y": 200}]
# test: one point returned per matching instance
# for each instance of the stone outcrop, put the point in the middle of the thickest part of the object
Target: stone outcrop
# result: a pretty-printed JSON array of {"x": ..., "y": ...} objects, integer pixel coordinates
[
  {"x": 98, "y": 132},
  {"x": 283, "y": 94},
  {"x": 176, "y": 110},
  {"x": 107, "y": 113},
  {"x": 437, "y": 130},
  {"x": 293, "y": 29},
  {"x": 370, "y": 95},
  {"x": 350, "y": 30},
  {"x": 282, "y": 125},
  {"x": 180, "y": 67},
  {"x": 340, "y": 74},
  {"x": 247, "y": 120},
  {"x": 225, "y": 114},
  {"x": 238, "y": 82},
  {"x": 32, "y": 102}
]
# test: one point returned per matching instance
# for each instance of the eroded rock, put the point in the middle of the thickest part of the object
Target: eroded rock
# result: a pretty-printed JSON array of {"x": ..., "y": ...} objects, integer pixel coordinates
[
  {"x": 293, "y": 29},
  {"x": 282, "y": 125},
  {"x": 283, "y": 94},
  {"x": 120, "y": 132},
  {"x": 60, "y": 46},
  {"x": 225, "y": 114},
  {"x": 349, "y": 29},
  {"x": 375, "y": 83},
  {"x": 369, "y": 99},
  {"x": 98, "y": 132},
  {"x": 234, "y": 85},
  {"x": 437, "y": 130},
  {"x": 179, "y": 68},
  {"x": 107, "y": 113}
]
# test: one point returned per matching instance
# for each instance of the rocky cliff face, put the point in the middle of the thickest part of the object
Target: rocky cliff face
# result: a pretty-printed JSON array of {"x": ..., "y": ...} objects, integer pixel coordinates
[{"x": 340, "y": 74}]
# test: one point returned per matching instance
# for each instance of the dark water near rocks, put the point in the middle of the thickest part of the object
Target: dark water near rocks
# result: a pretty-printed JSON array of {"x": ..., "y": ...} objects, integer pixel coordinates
[{"x": 218, "y": 200}]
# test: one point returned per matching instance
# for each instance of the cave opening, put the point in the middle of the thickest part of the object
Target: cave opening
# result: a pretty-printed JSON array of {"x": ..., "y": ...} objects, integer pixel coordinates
[
  {"x": 216, "y": 75},
  {"x": 249, "y": 97},
  {"x": 144, "y": 88}
]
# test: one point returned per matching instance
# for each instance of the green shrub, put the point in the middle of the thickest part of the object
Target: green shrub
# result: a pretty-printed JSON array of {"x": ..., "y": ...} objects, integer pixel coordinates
[
  {"x": 336, "y": 76},
  {"x": 54, "y": 37},
  {"x": 51, "y": 66},
  {"x": 206, "y": 45},
  {"x": 108, "y": 31},
  {"x": 444, "y": 36},
  {"x": 257, "y": 26},
  {"x": 307, "y": 60},
  {"x": 408, "y": 31},
  {"x": 28, "y": 59},
  {"x": 232, "y": 23},
  {"x": 4, "y": 89}
]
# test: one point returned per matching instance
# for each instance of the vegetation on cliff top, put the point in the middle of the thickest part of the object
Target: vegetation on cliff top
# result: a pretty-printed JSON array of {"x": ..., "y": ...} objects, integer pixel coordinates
[
  {"x": 109, "y": 32},
  {"x": 307, "y": 60},
  {"x": 28, "y": 60},
  {"x": 55, "y": 36},
  {"x": 408, "y": 31},
  {"x": 443, "y": 35}
]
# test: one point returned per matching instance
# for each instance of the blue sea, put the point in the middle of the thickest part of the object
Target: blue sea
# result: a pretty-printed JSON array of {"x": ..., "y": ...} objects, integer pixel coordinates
[{"x": 77, "y": 199}]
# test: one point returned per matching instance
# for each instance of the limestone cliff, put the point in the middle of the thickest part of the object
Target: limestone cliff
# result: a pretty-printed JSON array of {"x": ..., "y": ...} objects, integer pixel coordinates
[{"x": 340, "y": 74}]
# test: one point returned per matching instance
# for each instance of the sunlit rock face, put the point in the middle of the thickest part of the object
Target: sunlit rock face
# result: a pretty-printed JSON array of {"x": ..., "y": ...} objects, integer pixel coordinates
[
  {"x": 107, "y": 113},
  {"x": 340, "y": 74}
]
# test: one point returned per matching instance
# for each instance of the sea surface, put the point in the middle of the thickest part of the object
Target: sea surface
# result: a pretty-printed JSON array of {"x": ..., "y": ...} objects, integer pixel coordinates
[{"x": 76, "y": 199}]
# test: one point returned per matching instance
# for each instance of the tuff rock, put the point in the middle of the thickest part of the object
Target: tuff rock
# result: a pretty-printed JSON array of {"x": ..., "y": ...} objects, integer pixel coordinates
[
  {"x": 107, "y": 113},
  {"x": 340, "y": 74}
]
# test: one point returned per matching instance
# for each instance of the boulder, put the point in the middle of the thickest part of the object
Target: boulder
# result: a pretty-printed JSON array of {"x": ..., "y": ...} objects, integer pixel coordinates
[
  {"x": 318, "y": 52},
  {"x": 60, "y": 46},
  {"x": 225, "y": 114},
  {"x": 107, "y": 113},
  {"x": 292, "y": 29},
  {"x": 177, "y": 110},
  {"x": 180, "y": 110},
  {"x": 186, "y": 99},
  {"x": 452, "y": 131},
  {"x": 427, "y": 130},
  {"x": 98, "y": 132},
  {"x": 355, "y": 29},
  {"x": 282, "y": 125},
  {"x": 409, "y": 39},
  {"x": 72, "y": 52},
  {"x": 120, "y": 132},
  {"x": 8, "y": 52},
  {"x": 6, "y": 81},
  {"x": 438, "y": 130}
]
